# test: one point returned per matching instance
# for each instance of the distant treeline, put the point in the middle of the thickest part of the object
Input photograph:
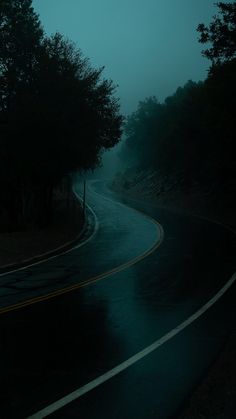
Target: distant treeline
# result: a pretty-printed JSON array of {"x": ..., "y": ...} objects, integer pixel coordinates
[
  {"x": 192, "y": 134},
  {"x": 57, "y": 115}
]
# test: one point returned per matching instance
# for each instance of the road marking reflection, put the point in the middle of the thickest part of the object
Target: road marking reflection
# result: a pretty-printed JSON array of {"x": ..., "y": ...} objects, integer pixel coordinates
[
  {"x": 133, "y": 359},
  {"x": 96, "y": 278}
]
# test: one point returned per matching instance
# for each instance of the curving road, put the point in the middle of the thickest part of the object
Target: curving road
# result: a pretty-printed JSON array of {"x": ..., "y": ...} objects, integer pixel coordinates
[{"x": 123, "y": 338}]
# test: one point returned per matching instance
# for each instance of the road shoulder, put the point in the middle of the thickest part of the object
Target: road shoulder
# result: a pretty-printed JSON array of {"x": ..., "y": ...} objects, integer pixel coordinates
[
  {"x": 18, "y": 249},
  {"x": 215, "y": 396}
]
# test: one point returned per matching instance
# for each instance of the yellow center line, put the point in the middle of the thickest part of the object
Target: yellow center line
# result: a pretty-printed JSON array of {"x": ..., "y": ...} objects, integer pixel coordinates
[{"x": 92, "y": 280}]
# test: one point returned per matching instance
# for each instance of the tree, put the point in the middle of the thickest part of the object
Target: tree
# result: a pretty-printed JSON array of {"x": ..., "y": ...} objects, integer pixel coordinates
[
  {"x": 220, "y": 91},
  {"x": 140, "y": 131},
  {"x": 165, "y": 136},
  {"x": 221, "y": 33},
  {"x": 190, "y": 138},
  {"x": 57, "y": 113},
  {"x": 20, "y": 40}
]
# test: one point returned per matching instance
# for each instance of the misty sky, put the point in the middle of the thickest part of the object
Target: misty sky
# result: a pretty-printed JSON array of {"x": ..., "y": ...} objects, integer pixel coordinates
[{"x": 148, "y": 47}]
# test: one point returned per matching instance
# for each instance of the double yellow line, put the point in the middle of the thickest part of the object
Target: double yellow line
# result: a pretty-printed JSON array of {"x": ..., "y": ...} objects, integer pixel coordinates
[{"x": 92, "y": 280}]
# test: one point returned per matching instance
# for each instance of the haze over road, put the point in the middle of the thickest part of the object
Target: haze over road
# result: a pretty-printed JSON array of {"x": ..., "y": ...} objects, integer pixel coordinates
[{"x": 56, "y": 346}]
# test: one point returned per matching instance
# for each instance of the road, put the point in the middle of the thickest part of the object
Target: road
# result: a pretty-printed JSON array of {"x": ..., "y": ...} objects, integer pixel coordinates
[{"x": 134, "y": 282}]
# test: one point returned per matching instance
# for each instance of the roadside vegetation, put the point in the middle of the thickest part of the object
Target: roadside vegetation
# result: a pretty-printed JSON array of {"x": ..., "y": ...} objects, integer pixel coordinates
[
  {"x": 187, "y": 144},
  {"x": 57, "y": 116}
]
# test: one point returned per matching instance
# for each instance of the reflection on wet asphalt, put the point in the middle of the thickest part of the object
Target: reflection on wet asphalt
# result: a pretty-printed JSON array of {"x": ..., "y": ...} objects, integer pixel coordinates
[
  {"x": 50, "y": 349},
  {"x": 122, "y": 236}
]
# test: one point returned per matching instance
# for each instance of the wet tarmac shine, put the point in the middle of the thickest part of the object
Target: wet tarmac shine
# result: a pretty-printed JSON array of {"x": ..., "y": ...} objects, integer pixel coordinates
[{"x": 51, "y": 348}]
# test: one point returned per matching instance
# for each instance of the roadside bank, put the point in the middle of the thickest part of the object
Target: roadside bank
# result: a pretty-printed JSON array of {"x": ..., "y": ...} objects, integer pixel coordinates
[
  {"x": 215, "y": 396},
  {"x": 210, "y": 201},
  {"x": 67, "y": 225}
]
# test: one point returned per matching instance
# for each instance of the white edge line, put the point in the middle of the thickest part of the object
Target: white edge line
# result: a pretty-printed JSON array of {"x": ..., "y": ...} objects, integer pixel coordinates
[
  {"x": 179, "y": 212},
  {"x": 133, "y": 359},
  {"x": 96, "y": 227},
  {"x": 125, "y": 265},
  {"x": 121, "y": 204}
]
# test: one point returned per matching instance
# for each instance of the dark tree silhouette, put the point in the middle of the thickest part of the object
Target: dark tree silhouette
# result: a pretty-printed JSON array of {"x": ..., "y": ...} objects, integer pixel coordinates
[
  {"x": 220, "y": 93},
  {"x": 191, "y": 136},
  {"x": 221, "y": 34},
  {"x": 57, "y": 113},
  {"x": 140, "y": 129},
  {"x": 165, "y": 136},
  {"x": 20, "y": 38}
]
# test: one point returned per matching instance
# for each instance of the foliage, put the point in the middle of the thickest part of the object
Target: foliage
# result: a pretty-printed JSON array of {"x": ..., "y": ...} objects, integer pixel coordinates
[
  {"x": 221, "y": 33},
  {"x": 159, "y": 134},
  {"x": 57, "y": 113},
  {"x": 139, "y": 131},
  {"x": 20, "y": 38},
  {"x": 192, "y": 134}
]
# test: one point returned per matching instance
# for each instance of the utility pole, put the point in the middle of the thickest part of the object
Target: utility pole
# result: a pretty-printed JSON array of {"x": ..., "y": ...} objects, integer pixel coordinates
[{"x": 84, "y": 199}]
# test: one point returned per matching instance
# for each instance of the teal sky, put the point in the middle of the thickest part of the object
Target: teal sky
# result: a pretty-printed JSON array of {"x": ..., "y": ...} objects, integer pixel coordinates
[{"x": 148, "y": 47}]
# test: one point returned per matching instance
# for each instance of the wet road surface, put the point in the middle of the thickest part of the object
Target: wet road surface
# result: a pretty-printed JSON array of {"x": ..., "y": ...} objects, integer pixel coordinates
[{"x": 54, "y": 347}]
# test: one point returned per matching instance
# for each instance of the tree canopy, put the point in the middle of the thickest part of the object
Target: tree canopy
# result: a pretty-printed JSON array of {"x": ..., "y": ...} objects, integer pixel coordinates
[
  {"x": 57, "y": 113},
  {"x": 163, "y": 135},
  {"x": 221, "y": 34},
  {"x": 192, "y": 134}
]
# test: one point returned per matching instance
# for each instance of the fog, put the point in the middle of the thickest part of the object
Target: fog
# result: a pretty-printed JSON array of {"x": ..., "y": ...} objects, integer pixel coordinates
[{"x": 147, "y": 48}]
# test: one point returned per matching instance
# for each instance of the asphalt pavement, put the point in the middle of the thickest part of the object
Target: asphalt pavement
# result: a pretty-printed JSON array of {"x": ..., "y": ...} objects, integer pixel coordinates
[{"x": 77, "y": 317}]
